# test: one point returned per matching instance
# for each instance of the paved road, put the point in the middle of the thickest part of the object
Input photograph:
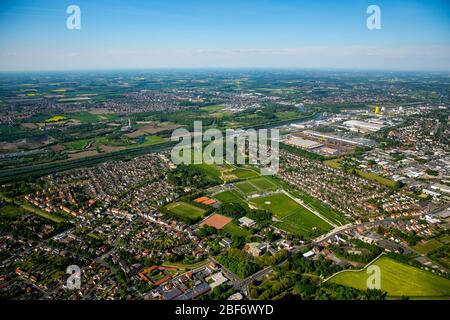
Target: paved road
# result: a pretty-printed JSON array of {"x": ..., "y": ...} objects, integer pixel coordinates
[
  {"x": 243, "y": 284},
  {"x": 230, "y": 275}
]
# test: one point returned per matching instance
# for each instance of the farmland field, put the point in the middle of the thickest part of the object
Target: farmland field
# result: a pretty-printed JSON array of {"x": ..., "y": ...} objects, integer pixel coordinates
[
  {"x": 183, "y": 209},
  {"x": 213, "y": 108},
  {"x": 397, "y": 279},
  {"x": 56, "y": 119},
  {"x": 84, "y": 117}
]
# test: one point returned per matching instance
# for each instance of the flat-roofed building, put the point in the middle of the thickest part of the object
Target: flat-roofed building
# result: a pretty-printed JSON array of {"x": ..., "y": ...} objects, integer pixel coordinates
[
  {"x": 247, "y": 222},
  {"x": 303, "y": 143},
  {"x": 363, "y": 125}
]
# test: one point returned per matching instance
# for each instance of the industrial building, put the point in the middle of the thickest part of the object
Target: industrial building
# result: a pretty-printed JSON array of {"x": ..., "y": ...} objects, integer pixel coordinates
[
  {"x": 356, "y": 125},
  {"x": 303, "y": 143},
  {"x": 352, "y": 141}
]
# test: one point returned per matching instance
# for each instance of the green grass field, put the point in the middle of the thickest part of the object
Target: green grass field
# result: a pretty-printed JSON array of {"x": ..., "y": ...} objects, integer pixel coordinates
[
  {"x": 233, "y": 229},
  {"x": 294, "y": 217},
  {"x": 77, "y": 144},
  {"x": 11, "y": 211},
  {"x": 264, "y": 184},
  {"x": 84, "y": 117},
  {"x": 183, "y": 209},
  {"x": 229, "y": 196},
  {"x": 279, "y": 204},
  {"x": 320, "y": 207},
  {"x": 149, "y": 141},
  {"x": 43, "y": 213},
  {"x": 374, "y": 177},
  {"x": 213, "y": 108},
  {"x": 257, "y": 185},
  {"x": 183, "y": 266},
  {"x": 314, "y": 203},
  {"x": 428, "y": 246},
  {"x": 247, "y": 188},
  {"x": 210, "y": 170},
  {"x": 245, "y": 173},
  {"x": 336, "y": 163},
  {"x": 397, "y": 279}
]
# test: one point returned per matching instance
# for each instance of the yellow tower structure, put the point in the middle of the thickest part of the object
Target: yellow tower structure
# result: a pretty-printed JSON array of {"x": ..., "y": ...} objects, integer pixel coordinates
[{"x": 377, "y": 109}]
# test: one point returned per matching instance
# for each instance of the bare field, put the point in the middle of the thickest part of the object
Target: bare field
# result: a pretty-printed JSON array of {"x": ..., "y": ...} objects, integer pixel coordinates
[{"x": 157, "y": 127}]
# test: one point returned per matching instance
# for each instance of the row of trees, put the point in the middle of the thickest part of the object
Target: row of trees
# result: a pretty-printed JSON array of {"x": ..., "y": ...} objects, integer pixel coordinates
[
  {"x": 368, "y": 251},
  {"x": 192, "y": 177},
  {"x": 239, "y": 263},
  {"x": 236, "y": 211}
]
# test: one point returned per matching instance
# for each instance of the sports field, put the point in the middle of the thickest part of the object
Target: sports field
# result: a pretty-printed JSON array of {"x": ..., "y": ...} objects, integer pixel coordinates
[
  {"x": 183, "y": 209},
  {"x": 397, "y": 279},
  {"x": 229, "y": 196},
  {"x": 257, "y": 185},
  {"x": 216, "y": 220},
  {"x": 247, "y": 188},
  {"x": 244, "y": 173},
  {"x": 293, "y": 217}
]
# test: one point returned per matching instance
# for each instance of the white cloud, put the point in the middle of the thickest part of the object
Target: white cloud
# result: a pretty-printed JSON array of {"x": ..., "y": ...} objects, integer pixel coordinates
[{"x": 359, "y": 57}]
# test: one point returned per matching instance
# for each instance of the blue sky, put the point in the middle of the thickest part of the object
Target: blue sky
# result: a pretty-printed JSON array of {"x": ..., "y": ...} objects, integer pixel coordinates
[{"x": 415, "y": 34}]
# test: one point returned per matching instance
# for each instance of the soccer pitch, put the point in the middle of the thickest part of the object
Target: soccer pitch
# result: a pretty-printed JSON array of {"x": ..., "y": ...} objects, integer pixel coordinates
[
  {"x": 255, "y": 186},
  {"x": 293, "y": 217},
  {"x": 183, "y": 209},
  {"x": 397, "y": 279},
  {"x": 229, "y": 196}
]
